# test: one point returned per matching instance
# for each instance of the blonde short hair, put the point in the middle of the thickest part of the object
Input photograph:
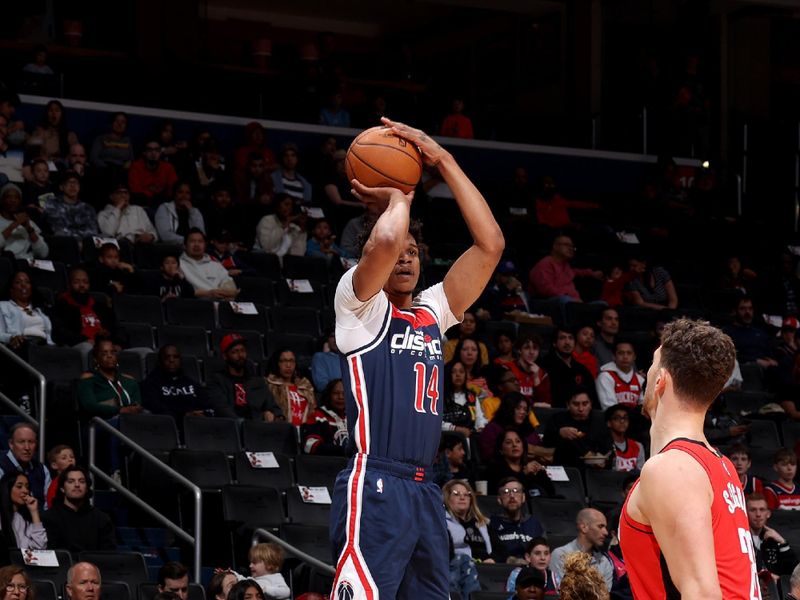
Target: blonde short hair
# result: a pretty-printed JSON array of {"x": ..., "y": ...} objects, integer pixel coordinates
[{"x": 270, "y": 554}]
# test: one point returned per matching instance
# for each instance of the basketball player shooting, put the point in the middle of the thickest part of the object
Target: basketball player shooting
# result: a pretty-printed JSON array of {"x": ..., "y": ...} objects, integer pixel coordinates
[
  {"x": 684, "y": 529},
  {"x": 387, "y": 520}
]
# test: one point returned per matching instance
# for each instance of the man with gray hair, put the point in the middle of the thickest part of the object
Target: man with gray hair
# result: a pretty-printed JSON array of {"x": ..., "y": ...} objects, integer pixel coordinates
[
  {"x": 794, "y": 585},
  {"x": 83, "y": 582},
  {"x": 592, "y": 537}
]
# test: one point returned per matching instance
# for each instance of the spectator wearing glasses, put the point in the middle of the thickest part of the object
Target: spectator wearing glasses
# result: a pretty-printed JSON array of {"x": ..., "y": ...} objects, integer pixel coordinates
[
  {"x": 511, "y": 530},
  {"x": 553, "y": 277},
  {"x": 151, "y": 179},
  {"x": 293, "y": 392},
  {"x": 628, "y": 453},
  {"x": 122, "y": 220},
  {"x": 14, "y": 583},
  {"x": 467, "y": 526}
]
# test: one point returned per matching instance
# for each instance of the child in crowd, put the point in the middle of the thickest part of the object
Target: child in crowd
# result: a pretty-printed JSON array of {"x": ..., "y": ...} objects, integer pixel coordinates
[
  {"x": 59, "y": 458},
  {"x": 266, "y": 562},
  {"x": 584, "y": 353},
  {"x": 112, "y": 276},
  {"x": 614, "y": 284},
  {"x": 742, "y": 461},
  {"x": 783, "y": 492},
  {"x": 168, "y": 282},
  {"x": 628, "y": 453}
]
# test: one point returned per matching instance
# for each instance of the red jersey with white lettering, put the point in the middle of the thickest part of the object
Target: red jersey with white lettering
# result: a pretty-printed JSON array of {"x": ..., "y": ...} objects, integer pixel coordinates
[
  {"x": 780, "y": 496},
  {"x": 733, "y": 544},
  {"x": 627, "y": 459},
  {"x": 628, "y": 393}
]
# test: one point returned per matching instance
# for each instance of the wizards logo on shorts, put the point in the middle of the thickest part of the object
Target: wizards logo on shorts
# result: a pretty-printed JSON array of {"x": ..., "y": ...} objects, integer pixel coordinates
[{"x": 344, "y": 591}]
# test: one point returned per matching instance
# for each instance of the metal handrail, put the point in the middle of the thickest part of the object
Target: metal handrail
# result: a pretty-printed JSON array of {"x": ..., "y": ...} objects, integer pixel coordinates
[
  {"x": 259, "y": 532},
  {"x": 195, "y": 540},
  {"x": 42, "y": 389}
]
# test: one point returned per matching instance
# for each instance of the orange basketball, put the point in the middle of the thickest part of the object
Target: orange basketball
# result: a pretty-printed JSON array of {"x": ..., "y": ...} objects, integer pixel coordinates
[{"x": 379, "y": 158}]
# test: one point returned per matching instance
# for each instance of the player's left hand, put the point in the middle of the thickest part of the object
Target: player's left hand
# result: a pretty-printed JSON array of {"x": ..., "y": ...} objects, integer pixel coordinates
[{"x": 432, "y": 152}]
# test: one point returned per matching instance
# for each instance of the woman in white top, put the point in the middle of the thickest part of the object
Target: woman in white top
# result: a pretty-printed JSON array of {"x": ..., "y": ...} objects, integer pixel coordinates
[
  {"x": 20, "y": 321},
  {"x": 282, "y": 233},
  {"x": 19, "y": 513}
]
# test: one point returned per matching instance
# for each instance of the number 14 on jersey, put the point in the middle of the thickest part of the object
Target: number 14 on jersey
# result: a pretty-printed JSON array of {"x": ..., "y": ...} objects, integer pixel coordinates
[{"x": 426, "y": 388}]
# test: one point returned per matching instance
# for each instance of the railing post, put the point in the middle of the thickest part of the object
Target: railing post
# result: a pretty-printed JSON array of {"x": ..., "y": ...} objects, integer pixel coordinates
[
  {"x": 594, "y": 132},
  {"x": 744, "y": 158},
  {"x": 739, "y": 195},
  {"x": 198, "y": 533},
  {"x": 41, "y": 392}
]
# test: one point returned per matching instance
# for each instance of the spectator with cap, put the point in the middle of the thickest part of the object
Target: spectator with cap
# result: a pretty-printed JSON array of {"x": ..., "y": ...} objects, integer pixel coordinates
[
  {"x": 505, "y": 295},
  {"x": 23, "y": 441},
  {"x": 174, "y": 219},
  {"x": 151, "y": 179},
  {"x": 530, "y": 585},
  {"x": 125, "y": 221},
  {"x": 511, "y": 530},
  {"x": 286, "y": 179},
  {"x": 237, "y": 391},
  {"x": 19, "y": 235},
  {"x": 67, "y": 214},
  {"x": 208, "y": 277}
]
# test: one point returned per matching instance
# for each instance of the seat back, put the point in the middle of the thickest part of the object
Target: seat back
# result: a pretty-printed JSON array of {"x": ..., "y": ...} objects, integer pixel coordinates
[
  {"x": 57, "y": 364},
  {"x": 281, "y": 477},
  {"x": 311, "y": 539},
  {"x": 306, "y": 513},
  {"x": 191, "y": 340},
  {"x": 315, "y": 470},
  {"x": 139, "y": 309},
  {"x": 203, "y": 433},
  {"x": 252, "y": 505},
  {"x": 44, "y": 589},
  {"x": 493, "y": 577},
  {"x": 115, "y": 590},
  {"x": 190, "y": 312},
  {"x": 153, "y": 432},
  {"x": 57, "y": 575},
  {"x": 605, "y": 486},
  {"x": 231, "y": 319},
  {"x": 278, "y": 437},
  {"x": 207, "y": 469},
  {"x": 128, "y": 567}
]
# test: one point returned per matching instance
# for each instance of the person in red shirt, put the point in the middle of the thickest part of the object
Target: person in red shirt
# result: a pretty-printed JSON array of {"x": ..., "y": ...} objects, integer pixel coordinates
[
  {"x": 534, "y": 383},
  {"x": 584, "y": 350},
  {"x": 151, "y": 180},
  {"x": 553, "y": 277},
  {"x": 552, "y": 208},
  {"x": 684, "y": 530},
  {"x": 456, "y": 124},
  {"x": 783, "y": 493}
]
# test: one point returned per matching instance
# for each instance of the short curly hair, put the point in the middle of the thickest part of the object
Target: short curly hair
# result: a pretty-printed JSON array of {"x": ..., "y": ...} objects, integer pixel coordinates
[
  {"x": 581, "y": 580},
  {"x": 699, "y": 357}
]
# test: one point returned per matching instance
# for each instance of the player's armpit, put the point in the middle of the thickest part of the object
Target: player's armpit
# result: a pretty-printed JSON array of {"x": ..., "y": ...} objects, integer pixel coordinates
[{"x": 676, "y": 496}]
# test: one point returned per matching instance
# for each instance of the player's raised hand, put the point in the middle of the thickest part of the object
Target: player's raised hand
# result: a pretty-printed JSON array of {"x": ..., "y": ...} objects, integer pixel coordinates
[
  {"x": 432, "y": 152},
  {"x": 379, "y": 196}
]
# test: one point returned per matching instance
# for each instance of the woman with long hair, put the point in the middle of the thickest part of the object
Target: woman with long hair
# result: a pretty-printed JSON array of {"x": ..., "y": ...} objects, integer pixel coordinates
[
  {"x": 467, "y": 328},
  {"x": 513, "y": 413},
  {"x": 327, "y": 433},
  {"x": 465, "y": 522},
  {"x": 462, "y": 409},
  {"x": 247, "y": 589},
  {"x": 19, "y": 513},
  {"x": 293, "y": 392},
  {"x": 15, "y": 584},
  {"x": 510, "y": 459},
  {"x": 581, "y": 580},
  {"x": 52, "y": 133}
]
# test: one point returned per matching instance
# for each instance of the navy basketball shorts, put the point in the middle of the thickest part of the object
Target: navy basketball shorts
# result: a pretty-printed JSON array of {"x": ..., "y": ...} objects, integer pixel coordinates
[{"x": 388, "y": 533}]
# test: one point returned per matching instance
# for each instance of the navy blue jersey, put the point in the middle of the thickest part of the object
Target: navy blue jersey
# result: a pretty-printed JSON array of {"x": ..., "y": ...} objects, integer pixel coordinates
[{"x": 392, "y": 370}]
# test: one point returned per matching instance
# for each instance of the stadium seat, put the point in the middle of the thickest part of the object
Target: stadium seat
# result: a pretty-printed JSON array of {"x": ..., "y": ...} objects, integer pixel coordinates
[
  {"x": 281, "y": 478},
  {"x": 544, "y": 414},
  {"x": 294, "y": 319},
  {"x": 57, "y": 364},
  {"x": 572, "y": 489},
  {"x": 115, "y": 590},
  {"x": 130, "y": 363},
  {"x": 190, "y": 312},
  {"x": 139, "y": 309},
  {"x": 55, "y": 280},
  {"x": 190, "y": 340},
  {"x": 253, "y": 342},
  {"x": 305, "y": 513},
  {"x": 305, "y": 267},
  {"x": 604, "y": 486},
  {"x": 763, "y": 434},
  {"x": 267, "y": 265},
  {"x": 752, "y": 378},
  {"x": 229, "y": 319},
  {"x": 218, "y": 433},
  {"x": 140, "y": 335},
  {"x": 7, "y": 269},
  {"x": 313, "y": 299},
  {"x": 582, "y": 314},
  {"x": 149, "y": 256},
  {"x": 488, "y": 504},
  {"x": 313, "y": 540},
  {"x": 790, "y": 430},
  {"x": 636, "y": 318},
  {"x": 207, "y": 469},
  {"x": 744, "y": 403},
  {"x": 315, "y": 470},
  {"x": 491, "y": 329},
  {"x": 128, "y": 567},
  {"x": 43, "y": 589},
  {"x": 278, "y": 437},
  {"x": 259, "y": 290},
  {"x": 557, "y": 516},
  {"x": 57, "y": 575},
  {"x": 762, "y": 460},
  {"x": 493, "y": 577},
  {"x": 155, "y": 433},
  {"x": 252, "y": 506},
  {"x": 301, "y": 344}
]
